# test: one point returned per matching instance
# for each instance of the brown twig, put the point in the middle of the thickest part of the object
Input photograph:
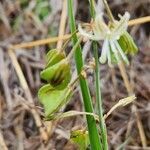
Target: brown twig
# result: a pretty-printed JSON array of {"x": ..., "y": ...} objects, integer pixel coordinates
[{"x": 29, "y": 71}]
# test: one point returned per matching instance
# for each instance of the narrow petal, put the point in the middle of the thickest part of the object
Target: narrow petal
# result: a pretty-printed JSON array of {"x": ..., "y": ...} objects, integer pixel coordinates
[
  {"x": 121, "y": 26},
  {"x": 105, "y": 49},
  {"x": 114, "y": 50},
  {"x": 121, "y": 52}
]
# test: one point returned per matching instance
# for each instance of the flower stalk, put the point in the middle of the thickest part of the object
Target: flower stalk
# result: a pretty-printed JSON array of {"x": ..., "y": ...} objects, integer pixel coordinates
[
  {"x": 102, "y": 124},
  {"x": 111, "y": 17},
  {"x": 92, "y": 129},
  {"x": 99, "y": 98}
]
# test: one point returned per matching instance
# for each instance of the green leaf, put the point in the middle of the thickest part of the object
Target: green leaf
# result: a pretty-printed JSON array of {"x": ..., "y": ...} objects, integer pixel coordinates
[
  {"x": 127, "y": 44},
  {"x": 81, "y": 138},
  {"x": 53, "y": 99}
]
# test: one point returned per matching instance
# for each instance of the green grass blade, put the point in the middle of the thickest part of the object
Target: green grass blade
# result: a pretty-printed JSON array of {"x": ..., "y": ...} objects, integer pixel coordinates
[
  {"x": 99, "y": 99},
  {"x": 98, "y": 88},
  {"x": 93, "y": 131}
]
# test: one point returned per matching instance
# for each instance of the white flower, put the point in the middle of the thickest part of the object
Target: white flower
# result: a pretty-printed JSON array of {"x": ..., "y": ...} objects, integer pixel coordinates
[{"x": 110, "y": 34}]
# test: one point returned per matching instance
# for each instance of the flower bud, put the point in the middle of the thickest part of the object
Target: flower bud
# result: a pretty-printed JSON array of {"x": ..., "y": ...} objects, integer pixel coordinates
[{"x": 80, "y": 138}]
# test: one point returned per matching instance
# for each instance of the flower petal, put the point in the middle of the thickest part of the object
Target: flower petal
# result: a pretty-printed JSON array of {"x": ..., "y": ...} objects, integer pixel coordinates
[
  {"x": 121, "y": 26},
  {"x": 105, "y": 49},
  {"x": 114, "y": 50},
  {"x": 109, "y": 57},
  {"x": 121, "y": 52}
]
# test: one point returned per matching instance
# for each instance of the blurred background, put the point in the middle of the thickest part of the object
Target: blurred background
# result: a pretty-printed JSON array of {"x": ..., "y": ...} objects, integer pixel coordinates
[{"x": 29, "y": 20}]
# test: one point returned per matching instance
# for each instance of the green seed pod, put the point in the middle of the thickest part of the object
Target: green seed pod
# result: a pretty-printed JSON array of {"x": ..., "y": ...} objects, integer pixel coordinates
[
  {"x": 127, "y": 44},
  {"x": 80, "y": 138},
  {"x": 58, "y": 75},
  {"x": 53, "y": 57},
  {"x": 53, "y": 99}
]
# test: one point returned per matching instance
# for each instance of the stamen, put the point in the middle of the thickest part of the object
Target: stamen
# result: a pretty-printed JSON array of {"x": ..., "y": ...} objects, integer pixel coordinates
[
  {"x": 87, "y": 34},
  {"x": 102, "y": 28}
]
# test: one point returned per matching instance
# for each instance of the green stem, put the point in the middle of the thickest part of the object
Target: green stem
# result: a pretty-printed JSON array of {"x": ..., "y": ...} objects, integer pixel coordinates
[
  {"x": 98, "y": 88},
  {"x": 92, "y": 8},
  {"x": 92, "y": 129},
  {"x": 99, "y": 99},
  {"x": 111, "y": 17}
]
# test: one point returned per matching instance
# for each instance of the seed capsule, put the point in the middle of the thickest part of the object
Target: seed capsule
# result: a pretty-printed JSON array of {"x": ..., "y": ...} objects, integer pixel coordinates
[
  {"x": 57, "y": 71},
  {"x": 127, "y": 44},
  {"x": 53, "y": 57},
  {"x": 53, "y": 99}
]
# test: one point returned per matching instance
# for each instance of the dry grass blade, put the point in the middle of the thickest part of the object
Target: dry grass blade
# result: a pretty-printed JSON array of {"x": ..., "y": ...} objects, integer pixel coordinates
[
  {"x": 62, "y": 24},
  {"x": 65, "y": 37},
  {"x": 40, "y": 42},
  {"x": 139, "y": 21},
  {"x": 2, "y": 143},
  {"x": 140, "y": 127},
  {"x": 4, "y": 79},
  {"x": 121, "y": 103},
  {"x": 19, "y": 130},
  {"x": 73, "y": 113}
]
